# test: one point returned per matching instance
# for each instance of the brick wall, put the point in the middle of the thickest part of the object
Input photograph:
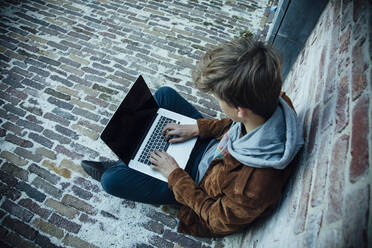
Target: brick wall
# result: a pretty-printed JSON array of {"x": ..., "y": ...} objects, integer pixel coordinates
[{"x": 327, "y": 201}]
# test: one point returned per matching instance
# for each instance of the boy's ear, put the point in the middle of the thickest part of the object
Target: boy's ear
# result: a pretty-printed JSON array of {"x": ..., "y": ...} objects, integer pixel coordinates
[{"x": 242, "y": 112}]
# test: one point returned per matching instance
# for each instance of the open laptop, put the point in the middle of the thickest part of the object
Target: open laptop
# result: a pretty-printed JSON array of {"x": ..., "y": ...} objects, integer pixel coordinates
[{"x": 134, "y": 131}]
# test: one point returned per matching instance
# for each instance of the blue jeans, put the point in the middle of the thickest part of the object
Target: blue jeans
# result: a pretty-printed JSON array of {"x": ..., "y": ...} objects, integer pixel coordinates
[{"x": 127, "y": 183}]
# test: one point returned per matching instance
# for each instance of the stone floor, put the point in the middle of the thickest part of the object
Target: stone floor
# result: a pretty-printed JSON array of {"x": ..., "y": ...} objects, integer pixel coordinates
[{"x": 65, "y": 67}]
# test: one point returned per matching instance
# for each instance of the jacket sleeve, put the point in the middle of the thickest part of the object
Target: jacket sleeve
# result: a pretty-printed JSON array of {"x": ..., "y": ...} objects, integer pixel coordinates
[
  {"x": 212, "y": 128},
  {"x": 224, "y": 214}
]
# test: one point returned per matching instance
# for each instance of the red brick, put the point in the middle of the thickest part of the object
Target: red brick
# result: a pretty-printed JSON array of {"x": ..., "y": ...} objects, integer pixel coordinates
[
  {"x": 319, "y": 88},
  {"x": 336, "y": 179},
  {"x": 314, "y": 223},
  {"x": 331, "y": 238},
  {"x": 328, "y": 117},
  {"x": 327, "y": 23},
  {"x": 347, "y": 13},
  {"x": 294, "y": 196},
  {"x": 306, "y": 125},
  {"x": 301, "y": 215},
  {"x": 359, "y": 67},
  {"x": 359, "y": 140},
  {"x": 360, "y": 26},
  {"x": 330, "y": 81},
  {"x": 345, "y": 41},
  {"x": 342, "y": 105},
  {"x": 323, "y": 56},
  {"x": 321, "y": 166},
  {"x": 343, "y": 58},
  {"x": 312, "y": 139},
  {"x": 355, "y": 218},
  {"x": 359, "y": 8}
]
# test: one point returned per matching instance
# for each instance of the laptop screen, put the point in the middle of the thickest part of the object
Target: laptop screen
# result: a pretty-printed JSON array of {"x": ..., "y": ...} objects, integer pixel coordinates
[{"x": 128, "y": 126}]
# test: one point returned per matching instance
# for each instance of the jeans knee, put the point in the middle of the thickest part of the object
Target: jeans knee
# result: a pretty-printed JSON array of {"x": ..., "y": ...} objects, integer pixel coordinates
[
  {"x": 165, "y": 91},
  {"x": 108, "y": 182}
]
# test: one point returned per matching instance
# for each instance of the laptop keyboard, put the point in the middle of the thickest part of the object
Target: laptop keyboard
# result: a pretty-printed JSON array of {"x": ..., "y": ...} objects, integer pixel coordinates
[{"x": 156, "y": 141}]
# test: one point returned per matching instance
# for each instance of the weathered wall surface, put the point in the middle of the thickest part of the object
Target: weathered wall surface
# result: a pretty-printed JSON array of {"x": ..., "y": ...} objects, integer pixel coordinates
[{"x": 327, "y": 202}]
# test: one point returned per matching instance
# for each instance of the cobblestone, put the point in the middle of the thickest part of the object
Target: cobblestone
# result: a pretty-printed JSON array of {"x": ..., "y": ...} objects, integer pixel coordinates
[
  {"x": 17, "y": 211},
  {"x": 13, "y": 170},
  {"x": 66, "y": 66},
  {"x": 46, "y": 187},
  {"x": 10, "y": 180},
  {"x": 46, "y": 153},
  {"x": 29, "y": 125},
  {"x": 20, "y": 227},
  {"x": 35, "y": 208},
  {"x": 65, "y": 224},
  {"x": 76, "y": 242},
  {"x": 41, "y": 140},
  {"x": 28, "y": 155},
  {"x": 48, "y": 228},
  {"x": 74, "y": 202},
  {"x": 44, "y": 241},
  {"x": 66, "y": 211}
]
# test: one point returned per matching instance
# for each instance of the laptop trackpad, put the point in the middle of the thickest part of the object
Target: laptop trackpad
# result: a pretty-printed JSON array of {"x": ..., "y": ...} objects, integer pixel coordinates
[
  {"x": 178, "y": 151},
  {"x": 147, "y": 170}
]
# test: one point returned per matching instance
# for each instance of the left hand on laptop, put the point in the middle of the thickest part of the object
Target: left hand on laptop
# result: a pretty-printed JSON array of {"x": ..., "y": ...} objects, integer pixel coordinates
[{"x": 163, "y": 162}]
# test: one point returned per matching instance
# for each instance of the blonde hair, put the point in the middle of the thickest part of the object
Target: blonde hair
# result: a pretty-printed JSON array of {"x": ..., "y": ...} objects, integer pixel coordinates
[{"x": 243, "y": 73}]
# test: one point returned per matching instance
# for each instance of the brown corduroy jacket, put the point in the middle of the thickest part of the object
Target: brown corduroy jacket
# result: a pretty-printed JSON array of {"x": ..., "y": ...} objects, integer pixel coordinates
[{"x": 230, "y": 196}]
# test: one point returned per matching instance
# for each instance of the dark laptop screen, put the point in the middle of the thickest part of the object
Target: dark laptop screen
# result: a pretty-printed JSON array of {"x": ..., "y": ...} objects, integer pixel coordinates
[{"x": 131, "y": 121}]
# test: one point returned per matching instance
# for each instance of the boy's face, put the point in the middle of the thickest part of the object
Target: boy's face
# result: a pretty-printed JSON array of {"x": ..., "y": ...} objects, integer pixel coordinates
[{"x": 230, "y": 111}]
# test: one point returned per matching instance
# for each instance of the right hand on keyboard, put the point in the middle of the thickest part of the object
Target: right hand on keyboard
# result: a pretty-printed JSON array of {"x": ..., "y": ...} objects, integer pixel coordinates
[{"x": 175, "y": 133}]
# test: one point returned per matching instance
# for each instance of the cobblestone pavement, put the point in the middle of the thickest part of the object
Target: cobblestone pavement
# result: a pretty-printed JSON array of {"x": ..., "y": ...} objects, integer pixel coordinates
[{"x": 65, "y": 67}]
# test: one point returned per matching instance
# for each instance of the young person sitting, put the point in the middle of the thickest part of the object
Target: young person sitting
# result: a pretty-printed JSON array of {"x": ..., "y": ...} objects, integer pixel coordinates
[{"x": 240, "y": 164}]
